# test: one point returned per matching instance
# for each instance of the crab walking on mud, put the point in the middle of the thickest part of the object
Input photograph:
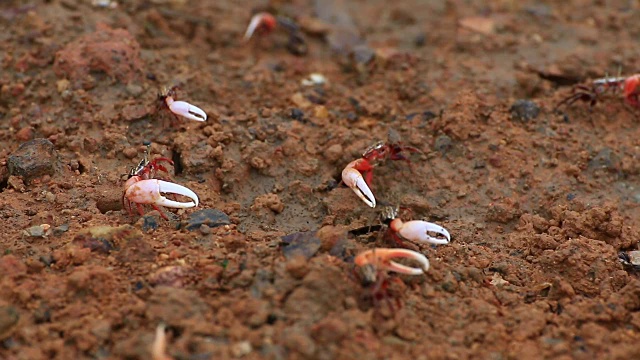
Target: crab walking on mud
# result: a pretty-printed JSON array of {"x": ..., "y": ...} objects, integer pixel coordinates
[
  {"x": 416, "y": 231},
  {"x": 358, "y": 174},
  {"x": 141, "y": 188},
  {"x": 182, "y": 108},
  {"x": 382, "y": 259},
  {"x": 628, "y": 85}
]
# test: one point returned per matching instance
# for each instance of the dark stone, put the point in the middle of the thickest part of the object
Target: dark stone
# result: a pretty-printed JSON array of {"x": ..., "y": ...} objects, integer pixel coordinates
[
  {"x": 604, "y": 159},
  {"x": 210, "y": 217},
  {"x": 34, "y": 158},
  {"x": 302, "y": 243},
  {"x": 297, "y": 114},
  {"x": 524, "y": 110},
  {"x": 424, "y": 116},
  {"x": 59, "y": 230},
  {"x": 47, "y": 260},
  {"x": 149, "y": 223},
  {"x": 420, "y": 40}
]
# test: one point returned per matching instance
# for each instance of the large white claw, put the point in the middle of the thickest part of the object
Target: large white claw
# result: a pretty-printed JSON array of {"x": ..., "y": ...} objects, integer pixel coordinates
[
  {"x": 417, "y": 230},
  {"x": 168, "y": 187},
  {"x": 381, "y": 258},
  {"x": 149, "y": 192},
  {"x": 184, "y": 109},
  {"x": 353, "y": 179}
]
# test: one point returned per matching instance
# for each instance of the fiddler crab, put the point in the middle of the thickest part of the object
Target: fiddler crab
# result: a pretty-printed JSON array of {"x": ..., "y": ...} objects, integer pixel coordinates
[
  {"x": 263, "y": 21},
  {"x": 382, "y": 260},
  {"x": 415, "y": 231},
  {"x": 267, "y": 23},
  {"x": 374, "y": 265},
  {"x": 181, "y": 108},
  {"x": 141, "y": 187},
  {"x": 628, "y": 86},
  {"x": 359, "y": 173}
]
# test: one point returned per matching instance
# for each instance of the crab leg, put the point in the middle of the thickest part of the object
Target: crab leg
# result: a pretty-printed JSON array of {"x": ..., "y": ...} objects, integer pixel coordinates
[
  {"x": 353, "y": 179},
  {"x": 381, "y": 258},
  {"x": 417, "y": 230},
  {"x": 184, "y": 109},
  {"x": 149, "y": 192}
]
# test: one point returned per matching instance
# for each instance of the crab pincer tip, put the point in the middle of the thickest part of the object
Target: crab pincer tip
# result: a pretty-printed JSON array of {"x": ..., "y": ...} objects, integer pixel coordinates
[
  {"x": 353, "y": 179},
  {"x": 169, "y": 187}
]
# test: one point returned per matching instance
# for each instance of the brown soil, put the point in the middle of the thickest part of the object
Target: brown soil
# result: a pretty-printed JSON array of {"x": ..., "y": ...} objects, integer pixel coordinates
[{"x": 539, "y": 203}]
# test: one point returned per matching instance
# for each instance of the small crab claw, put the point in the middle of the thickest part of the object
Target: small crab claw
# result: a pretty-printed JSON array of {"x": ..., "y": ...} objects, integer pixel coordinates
[
  {"x": 353, "y": 179},
  {"x": 417, "y": 230},
  {"x": 381, "y": 258},
  {"x": 261, "y": 19},
  {"x": 184, "y": 109},
  {"x": 149, "y": 192}
]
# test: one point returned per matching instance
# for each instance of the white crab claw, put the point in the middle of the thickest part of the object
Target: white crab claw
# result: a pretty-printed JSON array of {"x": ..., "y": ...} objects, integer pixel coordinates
[
  {"x": 417, "y": 230},
  {"x": 353, "y": 179},
  {"x": 184, "y": 109},
  {"x": 260, "y": 19},
  {"x": 149, "y": 192},
  {"x": 381, "y": 258}
]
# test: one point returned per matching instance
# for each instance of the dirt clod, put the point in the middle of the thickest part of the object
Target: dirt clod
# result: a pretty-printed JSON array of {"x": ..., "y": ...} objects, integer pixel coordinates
[{"x": 114, "y": 52}]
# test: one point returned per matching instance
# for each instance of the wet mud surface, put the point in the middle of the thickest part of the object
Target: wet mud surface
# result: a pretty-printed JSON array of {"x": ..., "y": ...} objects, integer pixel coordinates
[{"x": 539, "y": 203}]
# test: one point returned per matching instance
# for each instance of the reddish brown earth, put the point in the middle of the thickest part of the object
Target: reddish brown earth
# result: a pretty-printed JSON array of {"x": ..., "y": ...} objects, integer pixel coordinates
[{"x": 539, "y": 203}]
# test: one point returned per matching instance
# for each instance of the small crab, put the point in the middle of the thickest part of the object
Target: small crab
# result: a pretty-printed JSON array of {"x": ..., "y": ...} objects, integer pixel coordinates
[
  {"x": 267, "y": 23},
  {"x": 373, "y": 267},
  {"x": 415, "y": 231},
  {"x": 591, "y": 94},
  {"x": 141, "y": 188},
  {"x": 382, "y": 259},
  {"x": 181, "y": 108},
  {"x": 358, "y": 174}
]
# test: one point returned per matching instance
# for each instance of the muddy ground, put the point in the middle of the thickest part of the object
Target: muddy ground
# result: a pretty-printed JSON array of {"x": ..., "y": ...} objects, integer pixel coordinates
[{"x": 539, "y": 202}]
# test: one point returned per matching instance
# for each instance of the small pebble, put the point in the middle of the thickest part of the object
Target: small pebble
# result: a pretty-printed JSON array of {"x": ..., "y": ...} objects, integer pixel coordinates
[
  {"x": 241, "y": 349},
  {"x": 149, "y": 223},
  {"x": 59, "y": 230},
  {"x": 210, "y": 217},
  {"x": 302, "y": 243},
  {"x": 16, "y": 183},
  {"x": 604, "y": 159},
  {"x": 38, "y": 230},
  {"x": 24, "y": 134},
  {"x": 205, "y": 229},
  {"x": 443, "y": 144},
  {"x": 524, "y": 110},
  {"x": 134, "y": 90},
  {"x": 297, "y": 114}
]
